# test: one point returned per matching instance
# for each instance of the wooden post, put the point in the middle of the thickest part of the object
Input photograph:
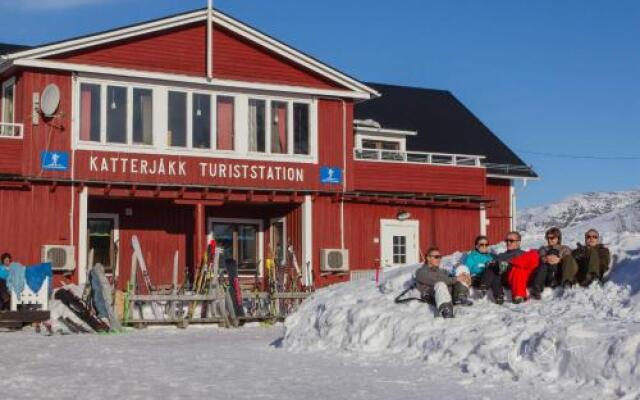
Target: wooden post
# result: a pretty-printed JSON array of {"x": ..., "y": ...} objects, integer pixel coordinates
[
  {"x": 200, "y": 234},
  {"x": 174, "y": 291}
]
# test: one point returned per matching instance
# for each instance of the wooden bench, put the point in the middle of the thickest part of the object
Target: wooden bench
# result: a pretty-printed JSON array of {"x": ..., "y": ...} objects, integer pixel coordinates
[{"x": 19, "y": 319}]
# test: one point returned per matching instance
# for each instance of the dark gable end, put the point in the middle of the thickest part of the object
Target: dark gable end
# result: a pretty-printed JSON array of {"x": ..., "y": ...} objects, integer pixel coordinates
[
  {"x": 443, "y": 123},
  {"x": 7, "y": 48}
]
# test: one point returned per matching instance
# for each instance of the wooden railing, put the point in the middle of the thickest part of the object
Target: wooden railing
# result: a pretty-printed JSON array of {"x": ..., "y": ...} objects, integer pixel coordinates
[{"x": 418, "y": 157}]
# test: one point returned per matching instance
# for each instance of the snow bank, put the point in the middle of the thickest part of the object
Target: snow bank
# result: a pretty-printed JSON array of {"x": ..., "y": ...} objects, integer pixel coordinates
[
  {"x": 582, "y": 336},
  {"x": 588, "y": 338}
]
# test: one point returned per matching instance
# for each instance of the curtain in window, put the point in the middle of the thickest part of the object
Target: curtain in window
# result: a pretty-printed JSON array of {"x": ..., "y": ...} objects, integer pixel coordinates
[
  {"x": 279, "y": 127},
  {"x": 143, "y": 116},
  {"x": 256, "y": 125},
  {"x": 224, "y": 125},
  {"x": 90, "y": 112},
  {"x": 85, "y": 113}
]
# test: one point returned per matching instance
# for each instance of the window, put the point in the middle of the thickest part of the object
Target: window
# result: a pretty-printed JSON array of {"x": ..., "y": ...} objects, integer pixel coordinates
[
  {"x": 116, "y": 114},
  {"x": 102, "y": 238},
  {"x": 177, "y": 119},
  {"x": 135, "y": 117},
  {"x": 142, "y": 116},
  {"x": 225, "y": 129},
  {"x": 239, "y": 242},
  {"x": 399, "y": 249},
  {"x": 257, "y": 125},
  {"x": 8, "y": 113},
  {"x": 90, "y": 109},
  {"x": 279, "y": 125},
  {"x": 201, "y": 121},
  {"x": 300, "y": 128},
  {"x": 380, "y": 145}
]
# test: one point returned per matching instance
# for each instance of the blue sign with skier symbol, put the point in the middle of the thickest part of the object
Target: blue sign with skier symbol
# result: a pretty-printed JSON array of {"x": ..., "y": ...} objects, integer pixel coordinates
[
  {"x": 54, "y": 160},
  {"x": 330, "y": 175}
]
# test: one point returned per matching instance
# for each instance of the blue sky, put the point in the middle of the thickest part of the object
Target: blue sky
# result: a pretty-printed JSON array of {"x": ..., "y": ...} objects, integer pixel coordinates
[{"x": 550, "y": 78}]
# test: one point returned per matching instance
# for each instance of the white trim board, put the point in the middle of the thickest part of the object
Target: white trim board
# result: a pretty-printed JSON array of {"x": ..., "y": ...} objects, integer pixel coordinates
[
  {"x": 179, "y": 79},
  {"x": 219, "y": 19}
]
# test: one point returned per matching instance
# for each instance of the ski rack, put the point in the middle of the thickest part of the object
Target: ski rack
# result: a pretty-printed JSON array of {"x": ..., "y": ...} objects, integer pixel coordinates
[{"x": 208, "y": 299}]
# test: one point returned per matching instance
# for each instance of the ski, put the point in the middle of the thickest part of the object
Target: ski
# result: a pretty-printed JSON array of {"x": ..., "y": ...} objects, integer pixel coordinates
[{"x": 80, "y": 309}]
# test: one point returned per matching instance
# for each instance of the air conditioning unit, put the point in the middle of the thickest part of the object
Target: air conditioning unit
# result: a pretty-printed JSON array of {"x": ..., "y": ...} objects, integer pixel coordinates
[
  {"x": 334, "y": 260},
  {"x": 60, "y": 257}
]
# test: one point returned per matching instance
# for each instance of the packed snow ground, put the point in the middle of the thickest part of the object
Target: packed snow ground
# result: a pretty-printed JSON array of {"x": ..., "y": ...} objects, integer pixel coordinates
[
  {"x": 579, "y": 342},
  {"x": 211, "y": 363}
]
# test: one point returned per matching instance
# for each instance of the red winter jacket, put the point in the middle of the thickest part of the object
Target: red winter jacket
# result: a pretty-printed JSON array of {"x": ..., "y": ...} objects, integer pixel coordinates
[{"x": 522, "y": 267}]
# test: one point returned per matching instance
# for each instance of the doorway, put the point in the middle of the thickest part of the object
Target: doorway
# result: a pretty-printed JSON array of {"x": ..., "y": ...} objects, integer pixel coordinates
[
  {"x": 241, "y": 240},
  {"x": 399, "y": 242},
  {"x": 103, "y": 238}
]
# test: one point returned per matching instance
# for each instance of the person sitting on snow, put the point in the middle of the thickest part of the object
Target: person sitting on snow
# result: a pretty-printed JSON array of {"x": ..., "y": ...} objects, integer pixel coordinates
[
  {"x": 437, "y": 287},
  {"x": 556, "y": 264},
  {"x": 592, "y": 260},
  {"x": 476, "y": 260},
  {"x": 5, "y": 295},
  {"x": 513, "y": 268}
]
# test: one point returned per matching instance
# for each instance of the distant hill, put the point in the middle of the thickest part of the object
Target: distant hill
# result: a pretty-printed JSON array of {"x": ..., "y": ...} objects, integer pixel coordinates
[{"x": 606, "y": 211}]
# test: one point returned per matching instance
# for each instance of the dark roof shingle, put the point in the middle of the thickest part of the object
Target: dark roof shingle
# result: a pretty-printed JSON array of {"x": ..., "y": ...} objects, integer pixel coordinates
[
  {"x": 7, "y": 48},
  {"x": 443, "y": 123}
]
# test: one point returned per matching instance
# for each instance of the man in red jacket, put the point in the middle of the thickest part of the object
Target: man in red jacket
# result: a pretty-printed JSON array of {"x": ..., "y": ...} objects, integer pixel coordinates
[{"x": 513, "y": 267}]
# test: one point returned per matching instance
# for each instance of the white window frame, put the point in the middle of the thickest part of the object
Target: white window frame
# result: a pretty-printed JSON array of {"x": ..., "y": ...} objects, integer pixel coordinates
[
  {"x": 259, "y": 222},
  {"x": 160, "y": 144},
  {"x": 11, "y": 82},
  {"x": 116, "y": 235},
  {"x": 285, "y": 238},
  {"x": 381, "y": 138}
]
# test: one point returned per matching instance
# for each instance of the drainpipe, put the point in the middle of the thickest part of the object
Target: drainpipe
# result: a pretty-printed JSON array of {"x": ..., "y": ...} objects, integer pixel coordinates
[
  {"x": 210, "y": 39},
  {"x": 344, "y": 169}
]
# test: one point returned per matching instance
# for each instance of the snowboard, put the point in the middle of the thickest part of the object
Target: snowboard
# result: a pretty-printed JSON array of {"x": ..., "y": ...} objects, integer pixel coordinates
[{"x": 104, "y": 290}]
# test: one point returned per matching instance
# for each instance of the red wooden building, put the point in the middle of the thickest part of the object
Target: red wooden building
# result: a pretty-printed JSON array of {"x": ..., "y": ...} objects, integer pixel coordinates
[{"x": 186, "y": 127}]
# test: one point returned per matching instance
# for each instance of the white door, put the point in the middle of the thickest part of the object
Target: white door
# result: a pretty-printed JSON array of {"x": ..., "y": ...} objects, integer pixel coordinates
[{"x": 399, "y": 242}]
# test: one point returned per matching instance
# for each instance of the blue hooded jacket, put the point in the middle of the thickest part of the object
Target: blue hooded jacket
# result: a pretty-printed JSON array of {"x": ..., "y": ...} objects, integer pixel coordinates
[{"x": 476, "y": 261}]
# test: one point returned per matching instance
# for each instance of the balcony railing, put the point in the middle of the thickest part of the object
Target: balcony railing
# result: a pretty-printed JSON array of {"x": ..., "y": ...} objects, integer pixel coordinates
[
  {"x": 9, "y": 130},
  {"x": 418, "y": 157}
]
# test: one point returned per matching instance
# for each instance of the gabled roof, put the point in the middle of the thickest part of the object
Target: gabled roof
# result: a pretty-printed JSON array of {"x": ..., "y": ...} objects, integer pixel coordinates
[
  {"x": 443, "y": 124},
  {"x": 190, "y": 17},
  {"x": 7, "y": 48}
]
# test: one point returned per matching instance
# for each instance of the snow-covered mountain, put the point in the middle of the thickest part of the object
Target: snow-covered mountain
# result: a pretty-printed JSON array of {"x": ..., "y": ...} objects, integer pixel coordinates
[{"x": 607, "y": 209}]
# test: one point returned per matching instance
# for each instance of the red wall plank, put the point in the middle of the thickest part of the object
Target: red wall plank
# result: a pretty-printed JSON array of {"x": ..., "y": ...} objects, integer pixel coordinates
[
  {"x": 182, "y": 50},
  {"x": 11, "y": 156},
  {"x": 498, "y": 211},
  {"x": 412, "y": 178},
  {"x": 32, "y": 218}
]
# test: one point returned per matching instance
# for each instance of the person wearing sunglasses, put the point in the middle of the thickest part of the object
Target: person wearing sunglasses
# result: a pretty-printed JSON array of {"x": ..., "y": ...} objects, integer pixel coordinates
[
  {"x": 437, "y": 287},
  {"x": 592, "y": 260},
  {"x": 476, "y": 260},
  {"x": 556, "y": 264},
  {"x": 511, "y": 268}
]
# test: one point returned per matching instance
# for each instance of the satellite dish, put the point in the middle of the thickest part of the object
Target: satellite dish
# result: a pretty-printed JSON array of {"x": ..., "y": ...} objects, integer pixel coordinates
[{"x": 50, "y": 100}]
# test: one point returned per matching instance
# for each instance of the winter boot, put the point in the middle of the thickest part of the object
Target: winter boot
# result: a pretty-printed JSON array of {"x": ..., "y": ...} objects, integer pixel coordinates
[
  {"x": 589, "y": 279},
  {"x": 499, "y": 300},
  {"x": 536, "y": 293},
  {"x": 446, "y": 310},
  {"x": 518, "y": 300},
  {"x": 567, "y": 284},
  {"x": 462, "y": 301}
]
